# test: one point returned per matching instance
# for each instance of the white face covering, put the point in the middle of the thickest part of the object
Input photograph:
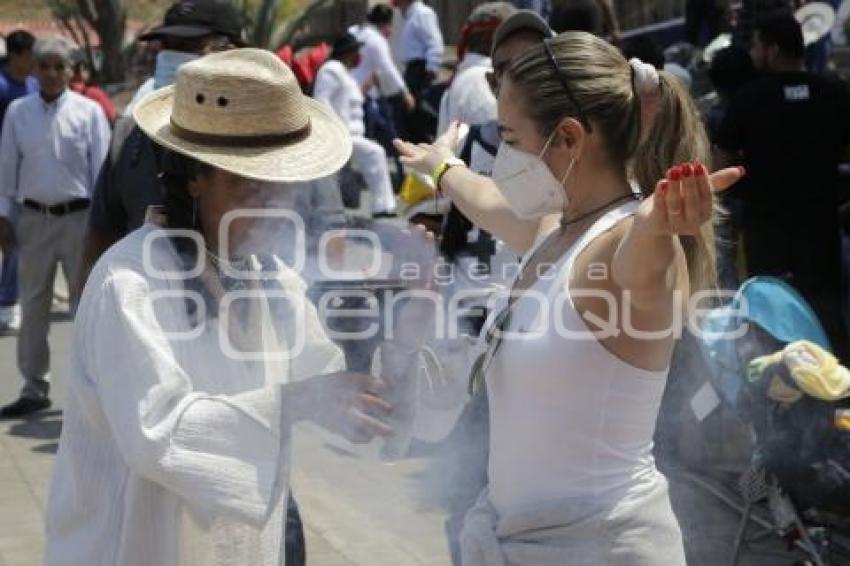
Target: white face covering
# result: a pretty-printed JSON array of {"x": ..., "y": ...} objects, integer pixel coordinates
[{"x": 527, "y": 182}]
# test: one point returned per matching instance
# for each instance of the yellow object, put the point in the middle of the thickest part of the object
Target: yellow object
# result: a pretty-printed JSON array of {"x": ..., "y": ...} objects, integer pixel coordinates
[
  {"x": 842, "y": 419},
  {"x": 414, "y": 190},
  {"x": 816, "y": 371},
  {"x": 438, "y": 172}
]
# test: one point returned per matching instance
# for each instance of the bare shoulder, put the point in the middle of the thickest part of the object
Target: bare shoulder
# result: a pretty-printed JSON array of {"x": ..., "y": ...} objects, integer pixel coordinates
[{"x": 641, "y": 339}]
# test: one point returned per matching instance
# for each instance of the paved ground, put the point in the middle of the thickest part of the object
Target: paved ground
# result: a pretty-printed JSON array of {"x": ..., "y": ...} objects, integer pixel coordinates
[{"x": 358, "y": 511}]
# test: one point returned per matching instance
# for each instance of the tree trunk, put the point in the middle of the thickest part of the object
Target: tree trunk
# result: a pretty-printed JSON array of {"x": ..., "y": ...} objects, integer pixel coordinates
[{"x": 108, "y": 18}]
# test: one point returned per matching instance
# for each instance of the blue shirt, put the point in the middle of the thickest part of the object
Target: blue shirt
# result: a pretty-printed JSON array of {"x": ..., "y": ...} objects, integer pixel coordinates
[{"x": 10, "y": 89}]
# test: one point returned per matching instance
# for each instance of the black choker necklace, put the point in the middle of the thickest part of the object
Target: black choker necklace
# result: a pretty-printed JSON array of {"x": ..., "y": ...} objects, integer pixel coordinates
[{"x": 565, "y": 222}]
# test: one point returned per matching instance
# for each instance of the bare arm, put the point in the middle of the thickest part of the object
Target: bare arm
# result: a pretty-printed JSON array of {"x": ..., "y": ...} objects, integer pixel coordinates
[
  {"x": 480, "y": 200},
  {"x": 644, "y": 263},
  {"x": 476, "y": 196}
]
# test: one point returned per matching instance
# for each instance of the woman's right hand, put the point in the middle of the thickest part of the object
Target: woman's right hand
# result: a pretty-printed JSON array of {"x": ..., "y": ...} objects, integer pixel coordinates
[
  {"x": 424, "y": 157},
  {"x": 345, "y": 403}
]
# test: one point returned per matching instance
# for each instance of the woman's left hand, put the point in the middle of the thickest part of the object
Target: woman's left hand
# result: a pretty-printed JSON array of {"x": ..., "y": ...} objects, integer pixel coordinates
[{"x": 683, "y": 201}]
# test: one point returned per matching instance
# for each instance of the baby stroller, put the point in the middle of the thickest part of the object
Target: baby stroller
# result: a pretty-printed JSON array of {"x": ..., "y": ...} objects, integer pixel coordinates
[{"x": 800, "y": 468}]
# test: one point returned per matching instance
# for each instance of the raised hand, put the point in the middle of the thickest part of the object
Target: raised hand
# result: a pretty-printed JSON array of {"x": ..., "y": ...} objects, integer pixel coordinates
[
  {"x": 424, "y": 157},
  {"x": 683, "y": 202}
]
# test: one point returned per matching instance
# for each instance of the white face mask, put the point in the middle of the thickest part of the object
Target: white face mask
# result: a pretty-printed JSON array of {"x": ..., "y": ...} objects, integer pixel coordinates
[{"x": 527, "y": 182}]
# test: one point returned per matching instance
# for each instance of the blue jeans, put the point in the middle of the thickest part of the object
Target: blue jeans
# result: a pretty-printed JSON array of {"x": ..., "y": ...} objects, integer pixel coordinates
[{"x": 9, "y": 280}]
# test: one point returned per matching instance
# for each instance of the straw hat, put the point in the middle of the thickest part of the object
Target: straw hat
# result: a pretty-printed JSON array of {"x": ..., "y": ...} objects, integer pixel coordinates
[{"x": 243, "y": 111}]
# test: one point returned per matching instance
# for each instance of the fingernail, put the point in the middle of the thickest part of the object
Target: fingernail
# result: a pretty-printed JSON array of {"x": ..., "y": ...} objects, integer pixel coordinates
[
  {"x": 699, "y": 169},
  {"x": 687, "y": 170},
  {"x": 742, "y": 170},
  {"x": 674, "y": 174},
  {"x": 662, "y": 188}
]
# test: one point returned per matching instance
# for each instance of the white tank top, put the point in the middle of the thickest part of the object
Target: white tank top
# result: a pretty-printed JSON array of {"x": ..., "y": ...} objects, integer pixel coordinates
[{"x": 567, "y": 417}]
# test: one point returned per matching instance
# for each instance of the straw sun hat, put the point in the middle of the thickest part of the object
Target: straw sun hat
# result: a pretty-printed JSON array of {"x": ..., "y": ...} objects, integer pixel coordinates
[{"x": 243, "y": 111}]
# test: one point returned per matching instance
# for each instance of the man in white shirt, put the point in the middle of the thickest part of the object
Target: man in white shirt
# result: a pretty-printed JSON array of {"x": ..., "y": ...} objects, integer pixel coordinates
[
  {"x": 377, "y": 67},
  {"x": 469, "y": 99},
  {"x": 388, "y": 99},
  {"x": 336, "y": 87},
  {"x": 53, "y": 144},
  {"x": 420, "y": 51}
]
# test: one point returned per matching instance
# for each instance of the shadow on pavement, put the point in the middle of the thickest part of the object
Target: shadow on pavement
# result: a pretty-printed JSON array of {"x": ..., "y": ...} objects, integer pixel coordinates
[
  {"x": 47, "y": 448},
  {"x": 43, "y": 426}
]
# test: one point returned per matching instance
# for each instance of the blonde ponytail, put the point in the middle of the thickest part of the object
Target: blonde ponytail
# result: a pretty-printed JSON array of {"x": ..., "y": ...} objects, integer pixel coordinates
[
  {"x": 676, "y": 135},
  {"x": 602, "y": 89}
]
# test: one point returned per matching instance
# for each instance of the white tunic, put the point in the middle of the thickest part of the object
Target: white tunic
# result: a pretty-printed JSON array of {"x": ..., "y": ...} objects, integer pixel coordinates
[
  {"x": 377, "y": 60},
  {"x": 469, "y": 99},
  {"x": 336, "y": 87},
  {"x": 171, "y": 452}
]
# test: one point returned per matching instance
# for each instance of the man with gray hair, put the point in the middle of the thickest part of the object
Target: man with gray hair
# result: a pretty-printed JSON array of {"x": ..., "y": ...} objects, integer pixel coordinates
[{"x": 53, "y": 144}]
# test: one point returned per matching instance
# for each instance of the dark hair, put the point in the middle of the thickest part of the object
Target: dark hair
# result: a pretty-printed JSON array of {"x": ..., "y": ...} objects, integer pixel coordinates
[
  {"x": 646, "y": 49},
  {"x": 176, "y": 171},
  {"x": 784, "y": 31},
  {"x": 731, "y": 69},
  {"x": 380, "y": 15},
  {"x": 19, "y": 41}
]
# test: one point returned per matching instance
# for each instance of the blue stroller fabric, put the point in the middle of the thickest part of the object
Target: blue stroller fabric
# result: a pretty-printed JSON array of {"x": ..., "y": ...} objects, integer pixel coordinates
[{"x": 771, "y": 304}]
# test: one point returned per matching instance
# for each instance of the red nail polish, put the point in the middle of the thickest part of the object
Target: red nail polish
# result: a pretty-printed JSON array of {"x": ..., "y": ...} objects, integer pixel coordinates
[
  {"x": 687, "y": 170},
  {"x": 662, "y": 188},
  {"x": 742, "y": 170},
  {"x": 699, "y": 169},
  {"x": 674, "y": 174}
]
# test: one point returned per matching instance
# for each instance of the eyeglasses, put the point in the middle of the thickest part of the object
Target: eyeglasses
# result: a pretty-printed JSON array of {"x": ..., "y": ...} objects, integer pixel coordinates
[{"x": 563, "y": 80}]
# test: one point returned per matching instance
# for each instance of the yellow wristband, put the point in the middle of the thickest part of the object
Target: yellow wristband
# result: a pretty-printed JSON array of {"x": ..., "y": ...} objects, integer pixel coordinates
[{"x": 440, "y": 170}]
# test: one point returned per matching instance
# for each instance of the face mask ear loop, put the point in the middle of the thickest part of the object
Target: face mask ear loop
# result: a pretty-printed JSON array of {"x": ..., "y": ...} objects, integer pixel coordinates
[
  {"x": 564, "y": 181},
  {"x": 548, "y": 144}
]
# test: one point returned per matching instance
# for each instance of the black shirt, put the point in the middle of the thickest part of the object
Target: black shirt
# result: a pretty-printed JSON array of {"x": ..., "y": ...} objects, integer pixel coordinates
[
  {"x": 127, "y": 184},
  {"x": 790, "y": 129}
]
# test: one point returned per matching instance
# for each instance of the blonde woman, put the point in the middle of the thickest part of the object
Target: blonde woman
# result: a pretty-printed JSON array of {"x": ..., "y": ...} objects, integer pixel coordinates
[{"x": 578, "y": 357}]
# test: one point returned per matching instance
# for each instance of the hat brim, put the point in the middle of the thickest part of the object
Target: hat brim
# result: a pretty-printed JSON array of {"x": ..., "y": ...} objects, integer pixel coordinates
[
  {"x": 176, "y": 31},
  {"x": 521, "y": 20},
  {"x": 321, "y": 153}
]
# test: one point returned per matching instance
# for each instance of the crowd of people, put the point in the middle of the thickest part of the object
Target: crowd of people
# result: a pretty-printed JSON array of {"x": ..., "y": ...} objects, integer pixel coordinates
[{"x": 552, "y": 138}]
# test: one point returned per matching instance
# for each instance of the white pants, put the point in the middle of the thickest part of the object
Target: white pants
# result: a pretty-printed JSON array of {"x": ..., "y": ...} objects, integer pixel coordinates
[
  {"x": 45, "y": 241},
  {"x": 370, "y": 160}
]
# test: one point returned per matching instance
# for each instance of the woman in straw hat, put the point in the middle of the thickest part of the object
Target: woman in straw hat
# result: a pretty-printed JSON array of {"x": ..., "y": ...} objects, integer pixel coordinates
[{"x": 186, "y": 374}]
